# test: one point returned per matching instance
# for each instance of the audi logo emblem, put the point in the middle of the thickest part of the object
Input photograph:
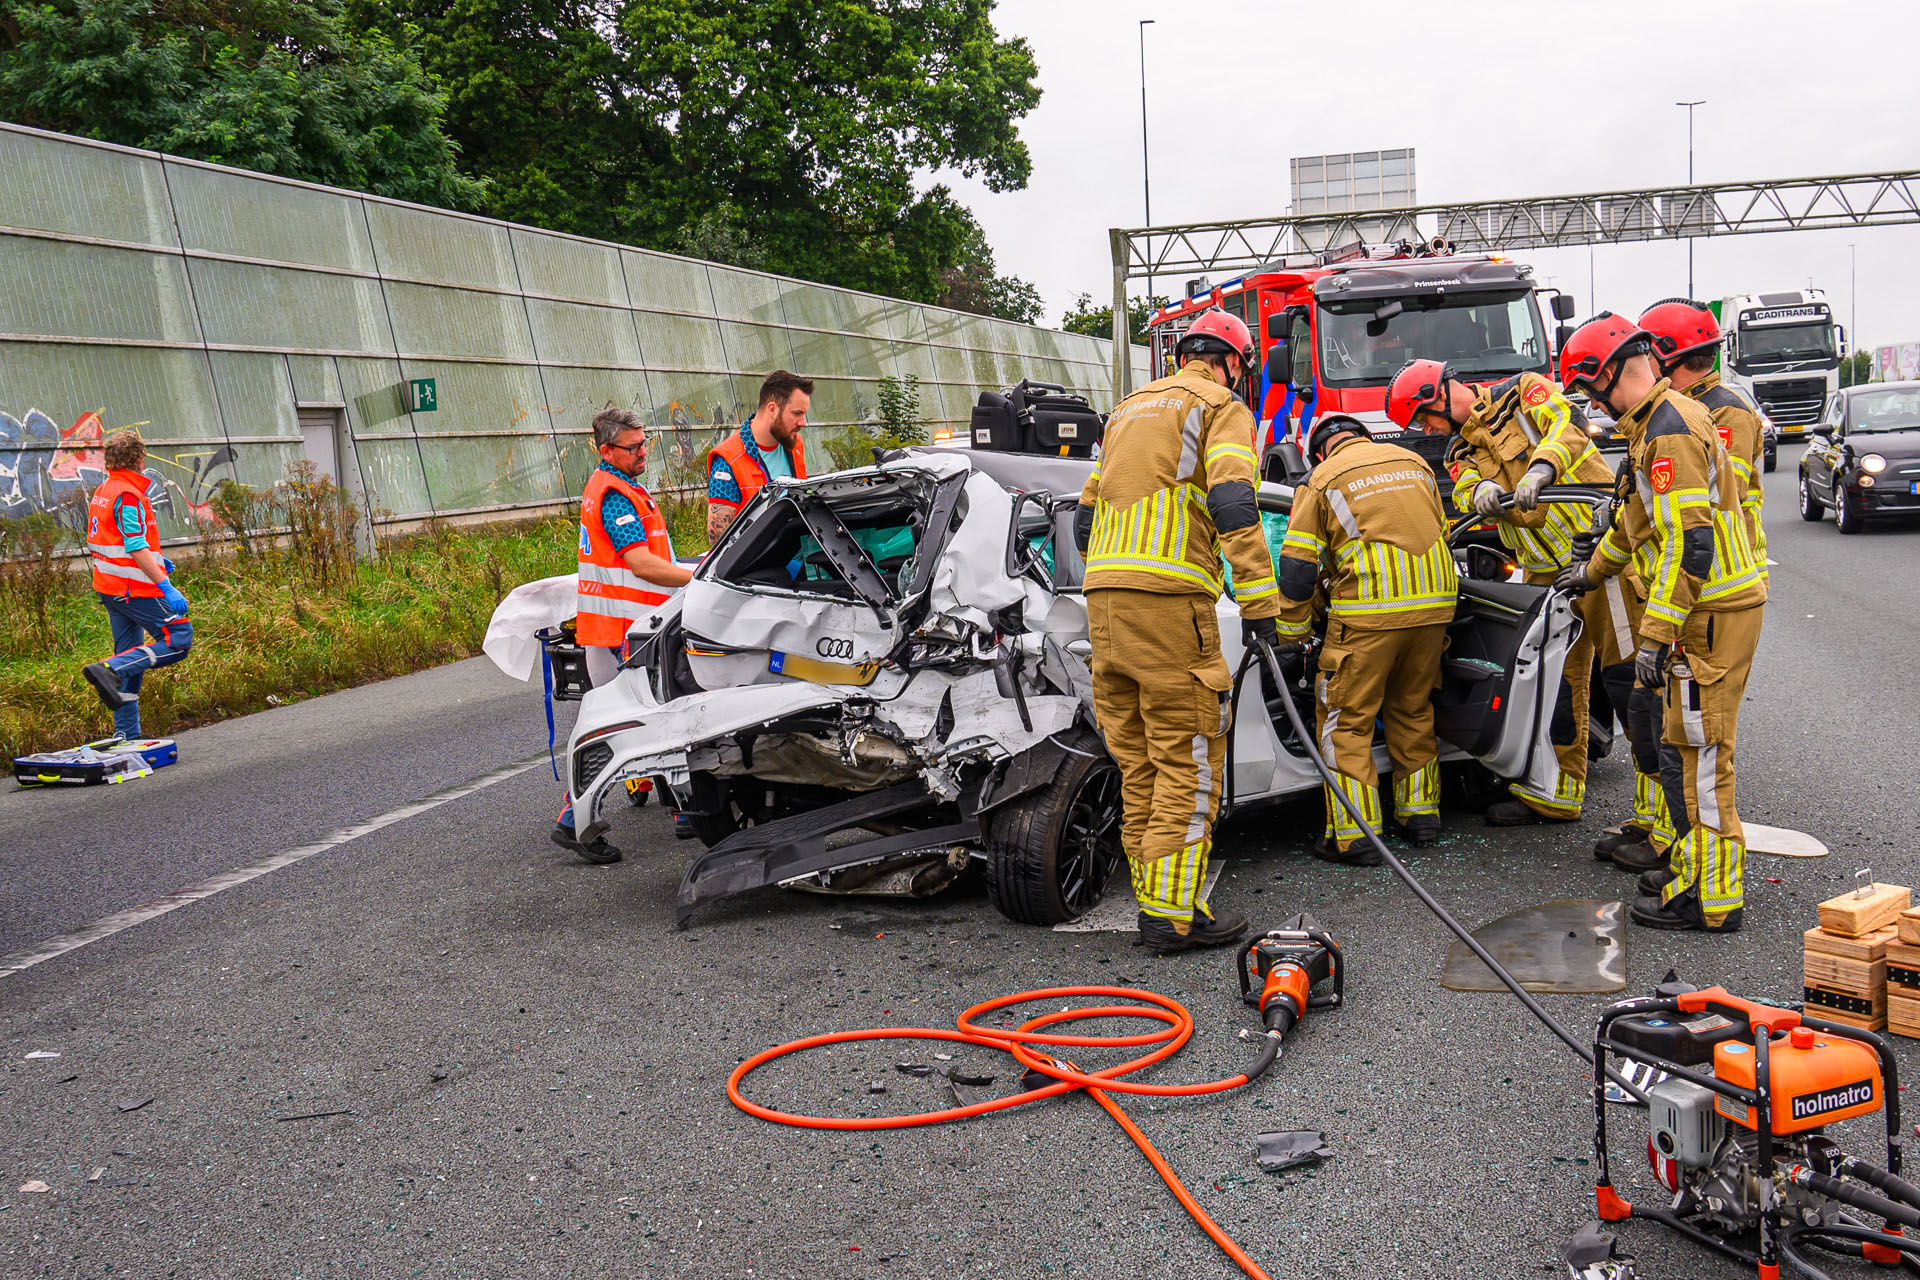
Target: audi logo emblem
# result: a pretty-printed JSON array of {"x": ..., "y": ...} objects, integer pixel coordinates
[{"x": 834, "y": 648}]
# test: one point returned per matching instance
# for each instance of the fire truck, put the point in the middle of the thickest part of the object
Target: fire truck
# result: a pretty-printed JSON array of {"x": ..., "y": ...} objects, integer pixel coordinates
[{"x": 1333, "y": 328}]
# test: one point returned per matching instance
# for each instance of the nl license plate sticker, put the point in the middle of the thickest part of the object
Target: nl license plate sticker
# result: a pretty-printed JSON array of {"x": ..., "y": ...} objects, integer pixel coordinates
[{"x": 1915, "y": 486}]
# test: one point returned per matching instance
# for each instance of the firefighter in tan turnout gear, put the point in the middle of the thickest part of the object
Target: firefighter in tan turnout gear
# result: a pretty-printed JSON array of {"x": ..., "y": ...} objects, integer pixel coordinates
[
  {"x": 1369, "y": 516},
  {"x": 1174, "y": 487},
  {"x": 1686, "y": 342},
  {"x": 1516, "y": 437},
  {"x": 1685, "y": 532}
]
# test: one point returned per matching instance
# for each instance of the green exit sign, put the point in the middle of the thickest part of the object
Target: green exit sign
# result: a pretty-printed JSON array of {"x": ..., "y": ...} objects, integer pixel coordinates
[{"x": 422, "y": 397}]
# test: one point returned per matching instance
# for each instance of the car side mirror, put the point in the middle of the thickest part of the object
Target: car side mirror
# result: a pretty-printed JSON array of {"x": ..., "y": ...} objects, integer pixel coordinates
[
  {"x": 1276, "y": 326},
  {"x": 1562, "y": 306},
  {"x": 1562, "y": 334},
  {"x": 1484, "y": 564},
  {"x": 1279, "y": 363}
]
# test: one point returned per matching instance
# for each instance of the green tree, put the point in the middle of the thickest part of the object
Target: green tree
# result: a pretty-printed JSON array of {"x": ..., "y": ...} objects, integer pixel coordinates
[
  {"x": 784, "y": 134},
  {"x": 1857, "y": 369},
  {"x": 277, "y": 86},
  {"x": 1084, "y": 317}
]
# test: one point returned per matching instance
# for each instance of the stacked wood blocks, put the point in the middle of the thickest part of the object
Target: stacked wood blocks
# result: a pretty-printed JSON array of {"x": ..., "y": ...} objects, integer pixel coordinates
[
  {"x": 1851, "y": 956},
  {"x": 1903, "y": 976}
]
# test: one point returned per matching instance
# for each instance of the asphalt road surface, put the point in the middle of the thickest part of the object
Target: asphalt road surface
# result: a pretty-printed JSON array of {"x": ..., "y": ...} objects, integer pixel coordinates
[{"x": 530, "y": 1060}]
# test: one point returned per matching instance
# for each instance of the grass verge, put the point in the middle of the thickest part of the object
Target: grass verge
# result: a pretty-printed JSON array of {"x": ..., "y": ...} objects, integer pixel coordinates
[{"x": 264, "y": 628}]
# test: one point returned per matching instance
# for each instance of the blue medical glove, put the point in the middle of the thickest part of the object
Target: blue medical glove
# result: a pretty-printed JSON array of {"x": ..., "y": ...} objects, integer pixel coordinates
[
  {"x": 175, "y": 601},
  {"x": 167, "y": 565}
]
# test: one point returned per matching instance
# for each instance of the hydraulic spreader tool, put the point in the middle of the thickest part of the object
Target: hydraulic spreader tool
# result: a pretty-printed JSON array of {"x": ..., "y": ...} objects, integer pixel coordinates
[{"x": 1285, "y": 964}]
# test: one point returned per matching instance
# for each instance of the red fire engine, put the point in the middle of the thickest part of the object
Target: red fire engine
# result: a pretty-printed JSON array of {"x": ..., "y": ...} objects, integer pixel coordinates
[{"x": 1333, "y": 328}]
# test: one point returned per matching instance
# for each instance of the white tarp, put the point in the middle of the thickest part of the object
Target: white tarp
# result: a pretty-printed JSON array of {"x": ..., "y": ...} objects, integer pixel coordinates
[{"x": 527, "y": 609}]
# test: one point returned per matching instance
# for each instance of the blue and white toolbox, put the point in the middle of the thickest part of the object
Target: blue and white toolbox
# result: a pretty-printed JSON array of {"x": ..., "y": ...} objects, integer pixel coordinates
[{"x": 109, "y": 760}]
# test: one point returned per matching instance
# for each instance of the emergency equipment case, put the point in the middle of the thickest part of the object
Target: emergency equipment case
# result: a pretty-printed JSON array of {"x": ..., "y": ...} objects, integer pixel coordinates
[{"x": 1036, "y": 417}]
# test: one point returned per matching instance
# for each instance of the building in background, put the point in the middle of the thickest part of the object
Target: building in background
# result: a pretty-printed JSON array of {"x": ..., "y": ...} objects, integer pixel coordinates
[{"x": 435, "y": 363}]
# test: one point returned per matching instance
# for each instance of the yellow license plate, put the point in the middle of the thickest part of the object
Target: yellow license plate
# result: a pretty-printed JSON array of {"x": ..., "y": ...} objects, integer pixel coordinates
[{"x": 815, "y": 671}]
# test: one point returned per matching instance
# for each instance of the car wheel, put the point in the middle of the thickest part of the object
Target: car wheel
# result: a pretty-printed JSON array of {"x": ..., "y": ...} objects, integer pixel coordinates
[
  {"x": 1811, "y": 508},
  {"x": 1848, "y": 515},
  {"x": 1771, "y": 460},
  {"x": 1051, "y": 854}
]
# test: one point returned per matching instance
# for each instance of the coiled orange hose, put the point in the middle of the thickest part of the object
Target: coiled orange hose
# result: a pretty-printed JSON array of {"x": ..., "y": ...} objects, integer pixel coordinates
[{"x": 1166, "y": 1042}]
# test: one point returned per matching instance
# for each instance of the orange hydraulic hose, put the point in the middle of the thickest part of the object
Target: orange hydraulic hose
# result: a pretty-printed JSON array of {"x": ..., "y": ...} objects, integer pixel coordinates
[{"x": 1017, "y": 1042}]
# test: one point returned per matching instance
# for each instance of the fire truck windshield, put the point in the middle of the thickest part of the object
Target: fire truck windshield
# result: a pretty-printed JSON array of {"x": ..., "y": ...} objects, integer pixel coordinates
[{"x": 1483, "y": 335}]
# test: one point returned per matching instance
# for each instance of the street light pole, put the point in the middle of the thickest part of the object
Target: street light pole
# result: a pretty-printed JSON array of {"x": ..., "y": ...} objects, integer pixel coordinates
[
  {"x": 1853, "y": 306},
  {"x": 1690, "y": 106},
  {"x": 1146, "y": 179}
]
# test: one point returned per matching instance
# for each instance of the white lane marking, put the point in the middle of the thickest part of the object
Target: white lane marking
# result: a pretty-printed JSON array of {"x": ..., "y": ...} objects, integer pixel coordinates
[
  {"x": 120, "y": 920},
  {"x": 1119, "y": 913},
  {"x": 1772, "y": 561}
]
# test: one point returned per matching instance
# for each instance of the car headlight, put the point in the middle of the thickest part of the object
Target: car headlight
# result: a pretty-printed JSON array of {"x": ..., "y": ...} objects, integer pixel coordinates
[{"x": 1873, "y": 464}]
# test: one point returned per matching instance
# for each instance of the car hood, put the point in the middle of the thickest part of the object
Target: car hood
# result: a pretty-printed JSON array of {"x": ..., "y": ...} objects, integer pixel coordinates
[{"x": 1888, "y": 444}]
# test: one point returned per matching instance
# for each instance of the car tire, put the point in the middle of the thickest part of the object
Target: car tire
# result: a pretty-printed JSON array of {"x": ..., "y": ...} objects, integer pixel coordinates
[
  {"x": 1771, "y": 460},
  {"x": 1811, "y": 508},
  {"x": 1848, "y": 517},
  {"x": 1052, "y": 852}
]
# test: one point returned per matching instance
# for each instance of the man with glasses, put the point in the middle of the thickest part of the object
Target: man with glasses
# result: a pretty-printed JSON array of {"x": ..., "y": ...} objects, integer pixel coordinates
[{"x": 626, "y": 569}]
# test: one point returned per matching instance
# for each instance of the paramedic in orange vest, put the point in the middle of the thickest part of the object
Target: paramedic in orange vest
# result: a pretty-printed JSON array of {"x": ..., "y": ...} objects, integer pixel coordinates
[
  {"x": 150, "y": 624},
  {"x": 626, "y": 569},
  {"x": 767, "y": 446}
]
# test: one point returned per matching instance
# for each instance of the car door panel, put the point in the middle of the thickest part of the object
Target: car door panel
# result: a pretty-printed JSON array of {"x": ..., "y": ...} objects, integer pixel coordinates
[{"x": 1501, "y": 672}]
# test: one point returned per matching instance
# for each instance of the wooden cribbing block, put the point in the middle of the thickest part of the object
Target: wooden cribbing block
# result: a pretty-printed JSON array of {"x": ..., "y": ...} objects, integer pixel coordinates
[
  {"x": 1862, "y": 911},
  {"x": 1837, "y": 973},
  {"x": 1903, "y": 968},
  {"x": 1855, "y": 1008},
  {"x": 1909, "y": 925},
  {"x": 1875, "y": 1022},
  {"x": 1869, "y": 946},
  {"x": 1903, "y": 1014}
]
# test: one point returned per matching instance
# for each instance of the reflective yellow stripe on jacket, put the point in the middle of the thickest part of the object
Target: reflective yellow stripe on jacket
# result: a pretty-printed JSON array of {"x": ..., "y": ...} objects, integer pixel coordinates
[
  {"x": 1389, "y": 579},
  {"x": 1150, "y": 536}
]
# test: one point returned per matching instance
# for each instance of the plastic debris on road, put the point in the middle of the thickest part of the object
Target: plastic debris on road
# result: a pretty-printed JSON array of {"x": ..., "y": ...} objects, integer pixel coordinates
[
  {"x": 135, "y": 1104},
  {"x": 42, "y": 1053},
  {"x": 876, "y": 1086},
  {"x": 958, "y": 1076},
  {"x": 920, "y": 1069},
  {"x": 1286, "y": 1149},
  {"x": 34, "y": 1188}
]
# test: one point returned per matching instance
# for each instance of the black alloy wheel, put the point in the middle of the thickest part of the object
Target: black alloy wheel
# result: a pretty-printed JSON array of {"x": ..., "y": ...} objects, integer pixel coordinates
[{"x": 1090, "y": 841}]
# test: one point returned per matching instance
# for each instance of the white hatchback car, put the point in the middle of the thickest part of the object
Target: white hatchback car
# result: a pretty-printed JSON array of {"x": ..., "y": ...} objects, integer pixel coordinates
[{"x": 879, "y": 675}]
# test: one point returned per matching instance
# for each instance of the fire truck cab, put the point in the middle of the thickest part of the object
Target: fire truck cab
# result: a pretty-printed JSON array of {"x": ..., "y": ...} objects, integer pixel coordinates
[{"x": 1334, "y": 328}]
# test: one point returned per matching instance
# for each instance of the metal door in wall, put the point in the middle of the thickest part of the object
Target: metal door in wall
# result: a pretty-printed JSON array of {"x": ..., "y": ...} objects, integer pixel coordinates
[{"x": 320, "y": 440}]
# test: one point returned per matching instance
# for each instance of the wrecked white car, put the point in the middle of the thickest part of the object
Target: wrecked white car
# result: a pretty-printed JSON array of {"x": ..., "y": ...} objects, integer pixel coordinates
[{"x": 879, "y": 675}]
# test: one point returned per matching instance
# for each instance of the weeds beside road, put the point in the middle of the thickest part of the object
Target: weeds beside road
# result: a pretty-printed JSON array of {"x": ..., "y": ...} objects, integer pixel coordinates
[{"x": 271, "y": 623}]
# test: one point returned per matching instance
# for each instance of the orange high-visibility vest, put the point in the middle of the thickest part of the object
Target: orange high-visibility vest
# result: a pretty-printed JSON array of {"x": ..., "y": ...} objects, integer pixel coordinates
[
  {"x": 610, "y": 595},
  {"x": 748, "y": 471},
  {"x": 114, "y": 572}
]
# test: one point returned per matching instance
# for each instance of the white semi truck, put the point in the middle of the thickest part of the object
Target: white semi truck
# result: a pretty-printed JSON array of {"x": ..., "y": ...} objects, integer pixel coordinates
[{"x": 1784, "y": 350}]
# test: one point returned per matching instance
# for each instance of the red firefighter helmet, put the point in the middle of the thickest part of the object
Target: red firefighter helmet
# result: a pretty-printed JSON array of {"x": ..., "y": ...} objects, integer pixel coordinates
[
  {"x": 1680, "y": 327},
  {"x": 1325, "y": 429},
  {"x": 1594, "y": 345},
  {"x": 1216, "y": 332},
  {"x": 1420, "y": 384}
]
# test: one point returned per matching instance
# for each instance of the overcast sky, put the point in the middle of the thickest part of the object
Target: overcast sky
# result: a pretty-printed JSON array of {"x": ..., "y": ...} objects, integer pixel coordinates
[{"x": 1499, "y": 99}]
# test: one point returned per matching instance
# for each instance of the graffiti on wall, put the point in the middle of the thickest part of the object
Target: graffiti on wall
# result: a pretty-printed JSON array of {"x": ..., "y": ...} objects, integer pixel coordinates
[{"x": 48, "y": 470}]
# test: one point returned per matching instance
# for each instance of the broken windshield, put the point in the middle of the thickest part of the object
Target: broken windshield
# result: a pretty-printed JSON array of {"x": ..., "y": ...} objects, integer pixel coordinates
[
  {"x": 1482, "y": 335},
  {"x": 857, "y": 537}
]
